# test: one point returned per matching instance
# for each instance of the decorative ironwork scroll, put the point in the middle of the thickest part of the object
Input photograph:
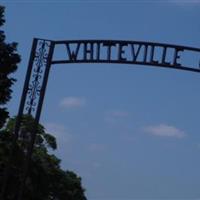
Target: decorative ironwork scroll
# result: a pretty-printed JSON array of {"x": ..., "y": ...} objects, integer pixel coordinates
[{"x": 39, "y": 64}]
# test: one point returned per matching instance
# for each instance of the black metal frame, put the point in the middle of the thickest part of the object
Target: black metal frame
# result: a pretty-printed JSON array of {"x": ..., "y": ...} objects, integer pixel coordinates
[{"x": 41, "y": 59}]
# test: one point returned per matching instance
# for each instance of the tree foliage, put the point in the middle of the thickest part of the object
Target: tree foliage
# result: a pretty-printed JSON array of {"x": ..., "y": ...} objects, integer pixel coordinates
[
  {"x": 8, "y": 64},
  {"x": 46, "y": 180}
]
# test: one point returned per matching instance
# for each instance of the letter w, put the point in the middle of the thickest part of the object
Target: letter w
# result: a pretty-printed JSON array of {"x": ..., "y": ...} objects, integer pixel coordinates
[{"x": 72, "y": 54}]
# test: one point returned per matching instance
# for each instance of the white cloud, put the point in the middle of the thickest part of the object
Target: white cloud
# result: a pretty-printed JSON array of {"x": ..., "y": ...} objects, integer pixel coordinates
[
  {"x": 97, "y": 147},
  {"x": 112, "y": 116},
  {"x": 96, "y": 165},
  {"x": 119, "y": 114},
  {"x": 164, "y": 130},
  {"x": 72, "y": 102}
]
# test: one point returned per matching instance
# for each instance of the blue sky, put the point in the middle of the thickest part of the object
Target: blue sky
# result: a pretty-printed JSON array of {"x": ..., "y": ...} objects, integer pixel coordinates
[{"x": 129, "y": 131}]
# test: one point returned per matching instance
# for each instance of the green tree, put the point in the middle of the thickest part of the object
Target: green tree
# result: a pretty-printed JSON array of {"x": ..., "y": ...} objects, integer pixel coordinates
[
  {"x": 8, "y": 64},
  {"x": 46, "y": 180}
]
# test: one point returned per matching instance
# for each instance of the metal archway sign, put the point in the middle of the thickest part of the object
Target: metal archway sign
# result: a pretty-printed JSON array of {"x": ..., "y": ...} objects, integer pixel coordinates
[
  {"x": 97, "y": 51},
  {"x": 43, "y": 56}
]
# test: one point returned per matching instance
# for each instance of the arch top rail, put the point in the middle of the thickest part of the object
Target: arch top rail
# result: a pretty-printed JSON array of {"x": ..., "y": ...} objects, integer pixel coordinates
[
  {"x": 57, "y": 42},
  {"x": 127, "y": 52}
]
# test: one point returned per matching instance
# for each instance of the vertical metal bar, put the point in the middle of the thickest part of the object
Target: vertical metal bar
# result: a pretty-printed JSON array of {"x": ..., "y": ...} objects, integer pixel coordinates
[
  {"x": 18, "y": 119},
  {"x": 37, "y": 118},
  {"x": 26, "y": 87}
]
